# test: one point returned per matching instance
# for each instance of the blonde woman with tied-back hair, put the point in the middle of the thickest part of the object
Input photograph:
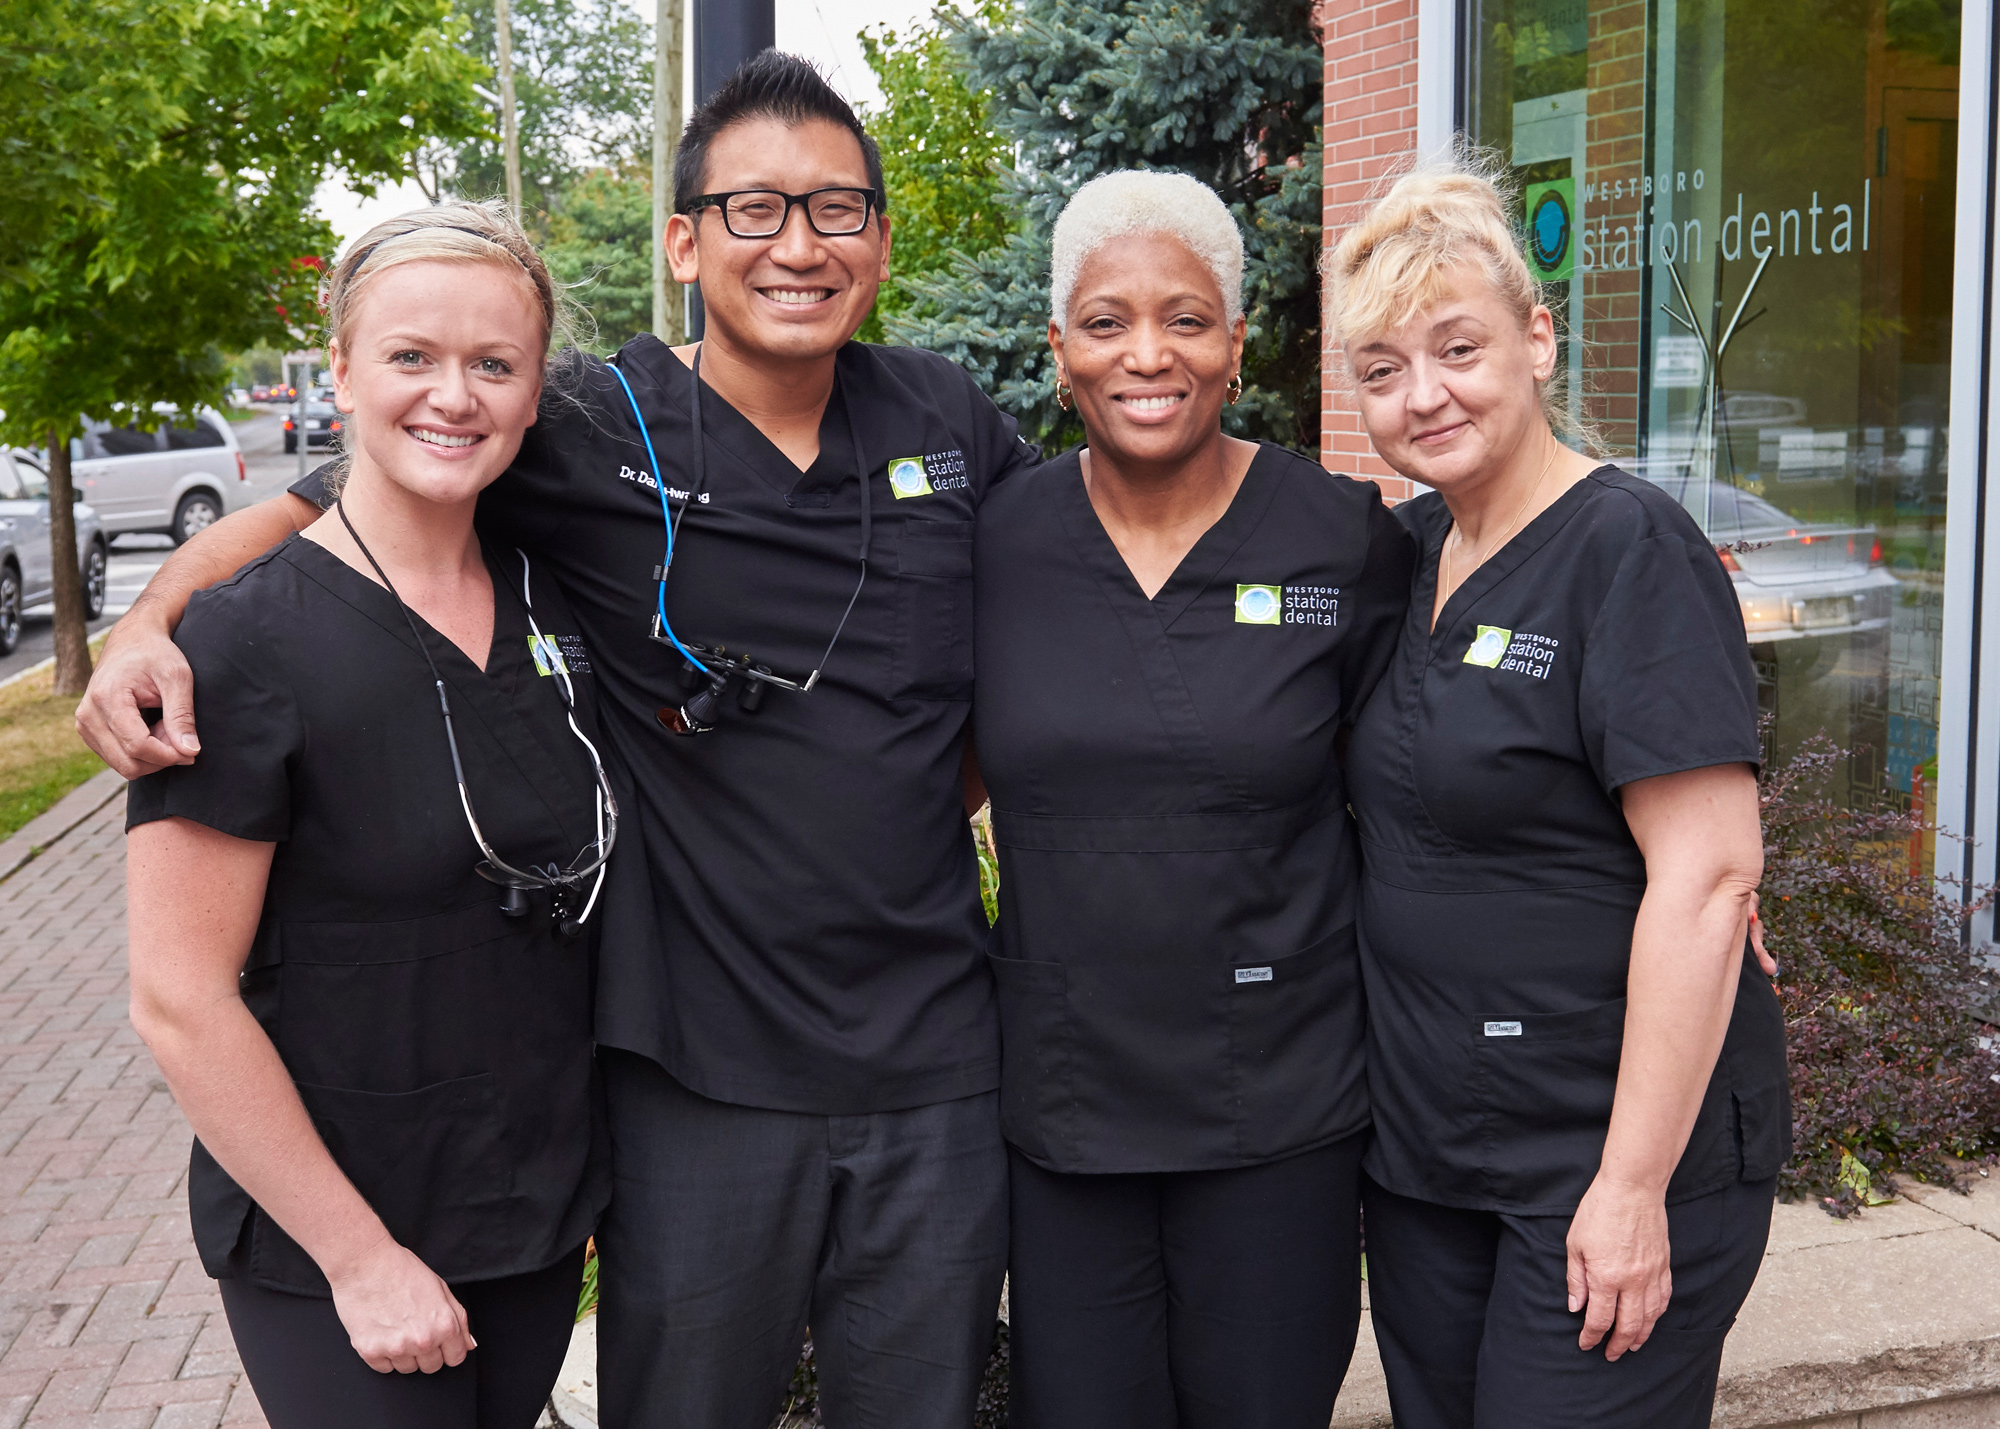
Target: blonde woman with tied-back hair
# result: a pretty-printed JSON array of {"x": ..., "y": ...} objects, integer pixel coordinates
[
  {"x": 1575, "y": 1065},
  {"x": 359, "y": 941},
  {"x": 1175, "y": 630}
]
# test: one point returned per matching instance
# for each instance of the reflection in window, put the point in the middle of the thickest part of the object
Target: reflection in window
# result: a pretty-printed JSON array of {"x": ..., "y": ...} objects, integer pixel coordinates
[{"x": 1779, "y": 174}]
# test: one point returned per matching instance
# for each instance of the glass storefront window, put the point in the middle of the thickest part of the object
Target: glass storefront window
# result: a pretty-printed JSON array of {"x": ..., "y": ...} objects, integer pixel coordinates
[{"x": 1743, "y": 210}]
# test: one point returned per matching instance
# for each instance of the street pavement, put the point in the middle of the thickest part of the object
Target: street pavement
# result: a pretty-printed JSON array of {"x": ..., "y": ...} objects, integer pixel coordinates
[
  {"x": 106, "y": 1318},
  {"x": 135, "y": 558}
]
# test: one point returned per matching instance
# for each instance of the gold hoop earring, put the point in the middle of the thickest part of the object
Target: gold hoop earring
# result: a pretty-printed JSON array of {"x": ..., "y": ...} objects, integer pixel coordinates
[
  {"x": 1234, "y": 392},
  {"x": 1063, "y": 394}
]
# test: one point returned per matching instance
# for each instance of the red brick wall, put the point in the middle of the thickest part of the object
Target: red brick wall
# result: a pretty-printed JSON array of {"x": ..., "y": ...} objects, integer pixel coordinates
[
  {"x": 1614, "y": 149},
  {"x": 1371, "y": 125}
]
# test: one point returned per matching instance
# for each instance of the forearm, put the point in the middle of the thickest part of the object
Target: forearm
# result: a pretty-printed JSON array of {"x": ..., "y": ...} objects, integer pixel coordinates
[
  {"x": 1687, "y": 952},
  {"x": 214, "y": 555},
  {"x": 240, "y": 1100}
]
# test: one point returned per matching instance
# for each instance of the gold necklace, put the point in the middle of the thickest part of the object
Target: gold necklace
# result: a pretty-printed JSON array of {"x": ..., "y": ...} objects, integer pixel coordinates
[{"x": 1458, "y": 532}]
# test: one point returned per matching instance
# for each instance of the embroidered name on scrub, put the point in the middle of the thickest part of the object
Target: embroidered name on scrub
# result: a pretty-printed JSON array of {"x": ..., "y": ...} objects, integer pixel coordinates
[
  {"x": 645, "y": 478},
  {"x": 1497, "y": 648},
  {"x": 1287, "y": 605},
  {"x": 923, "y": 475}
]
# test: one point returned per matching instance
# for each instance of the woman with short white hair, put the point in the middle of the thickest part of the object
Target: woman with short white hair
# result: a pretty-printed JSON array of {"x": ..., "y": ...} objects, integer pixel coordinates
[{"x": 1175, "y": 628}]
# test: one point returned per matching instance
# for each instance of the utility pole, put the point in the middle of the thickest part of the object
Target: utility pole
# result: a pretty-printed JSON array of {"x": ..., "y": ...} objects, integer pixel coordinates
[
  {"x": 726, "y": 33},
  {"x": 510, "y": 135},
  {"x": 669, "y": 311}
]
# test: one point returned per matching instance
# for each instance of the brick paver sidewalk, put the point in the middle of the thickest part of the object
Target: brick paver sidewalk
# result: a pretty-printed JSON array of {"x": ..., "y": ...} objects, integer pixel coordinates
[{"x": 106, "y": 1318}]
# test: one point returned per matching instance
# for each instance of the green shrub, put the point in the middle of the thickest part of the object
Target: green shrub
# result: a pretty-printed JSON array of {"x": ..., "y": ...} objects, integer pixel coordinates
[{"x": 1892, "y": 1071}]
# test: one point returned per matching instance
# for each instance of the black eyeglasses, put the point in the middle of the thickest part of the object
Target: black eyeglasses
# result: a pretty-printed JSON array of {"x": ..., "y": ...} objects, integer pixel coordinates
[{"x": 762, "y": 213}]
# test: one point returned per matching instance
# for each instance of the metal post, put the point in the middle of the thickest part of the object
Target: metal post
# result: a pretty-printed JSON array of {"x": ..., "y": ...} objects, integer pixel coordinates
[
  {"x": 510, "y": 136},
  {"x": 726, "y": 33},
  {"x": 299, "y": 427},
  {"x": 669, "y": 314}
]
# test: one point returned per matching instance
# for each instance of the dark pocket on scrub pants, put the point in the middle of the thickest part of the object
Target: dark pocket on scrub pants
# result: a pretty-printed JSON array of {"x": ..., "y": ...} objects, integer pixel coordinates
[
  {"x": 432, "y": 1162},
  {"x": 1035, "y": 1055},
  {"x": 934, "y": 603},
  {"x": 1544, "y": 1084}
]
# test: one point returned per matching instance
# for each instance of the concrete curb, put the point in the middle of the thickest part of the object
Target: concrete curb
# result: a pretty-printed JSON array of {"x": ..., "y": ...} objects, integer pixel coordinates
[
  {"x": 35, "y": 669},
  {"x": 44, "y": 829}
]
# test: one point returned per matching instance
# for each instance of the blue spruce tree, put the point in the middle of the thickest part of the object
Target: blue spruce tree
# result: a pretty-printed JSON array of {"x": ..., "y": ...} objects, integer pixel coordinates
[{"x": 1225, "y": 90}]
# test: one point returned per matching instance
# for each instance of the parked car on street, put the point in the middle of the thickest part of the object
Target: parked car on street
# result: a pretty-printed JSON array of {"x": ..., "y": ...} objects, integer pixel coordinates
[
  {"x": 323, "y": 421},
  {"x": 178, "y": 480},
  {"x": 26, "y": 571},
  {"x": 1794, "y": 579}
]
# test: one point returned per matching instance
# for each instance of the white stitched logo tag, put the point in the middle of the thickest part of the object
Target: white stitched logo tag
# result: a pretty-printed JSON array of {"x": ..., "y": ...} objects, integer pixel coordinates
[
  {"x": 1503, "y": 1029},
  {"x": 1253, "y": 974}
]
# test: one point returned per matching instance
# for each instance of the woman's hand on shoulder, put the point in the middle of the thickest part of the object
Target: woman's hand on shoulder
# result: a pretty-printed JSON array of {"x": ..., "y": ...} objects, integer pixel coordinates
[
  {"x": 1620, "y": 1265},
  {"x": 400, "y": 1317}
]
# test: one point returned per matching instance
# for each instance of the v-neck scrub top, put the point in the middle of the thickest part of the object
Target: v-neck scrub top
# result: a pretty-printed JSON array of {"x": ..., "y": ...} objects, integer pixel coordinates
[
  {"x": 1603, "y": 644},
  {"x": 442, "y": 1049},
  {"x": 1175, "y": 952},
  {"x": 792, "y": 919}
]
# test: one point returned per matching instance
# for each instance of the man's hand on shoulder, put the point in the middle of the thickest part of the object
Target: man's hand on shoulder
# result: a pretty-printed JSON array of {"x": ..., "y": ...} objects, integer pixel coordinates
[{"x": 142, "y": 669}]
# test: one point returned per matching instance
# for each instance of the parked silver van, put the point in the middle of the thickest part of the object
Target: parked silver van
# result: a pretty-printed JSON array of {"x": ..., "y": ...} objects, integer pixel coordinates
[
  {"x": 26, "y": 573},
  {"x": 178, "y": 480}
]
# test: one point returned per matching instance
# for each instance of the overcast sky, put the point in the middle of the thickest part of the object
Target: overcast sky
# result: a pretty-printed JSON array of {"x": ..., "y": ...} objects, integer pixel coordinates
[{"x": 823, "y": 31}]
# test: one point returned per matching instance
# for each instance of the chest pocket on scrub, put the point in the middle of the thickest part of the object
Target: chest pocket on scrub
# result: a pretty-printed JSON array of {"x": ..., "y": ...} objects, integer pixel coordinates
[{"x": 934, "y": 610}]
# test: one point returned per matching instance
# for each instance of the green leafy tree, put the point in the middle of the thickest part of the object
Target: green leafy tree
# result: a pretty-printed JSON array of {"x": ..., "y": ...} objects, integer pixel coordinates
[
  {"x": 942, "y": 157},
  {"x": 182, "y": 226},
  {"x": 583, "y": 100},
  {"x": 600, "y": 244},
  {"x": 1225, "y": 90}
]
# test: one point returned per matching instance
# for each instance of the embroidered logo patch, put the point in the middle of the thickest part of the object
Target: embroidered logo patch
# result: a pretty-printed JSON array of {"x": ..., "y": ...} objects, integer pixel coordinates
[
  {"x": 1253, "y": 975},
  {"x": 1503, "y": 1029},
  {"x": 908, "y": 478},
  {"x": 1260, "y": 605},
  {"x": 1489, "y": 646},
  {"x": 926, "y": 474},
  {"x": 547, "y": 655},
  {"x": 1515, "y": 651},
  {"x": 558, "y": 654}
]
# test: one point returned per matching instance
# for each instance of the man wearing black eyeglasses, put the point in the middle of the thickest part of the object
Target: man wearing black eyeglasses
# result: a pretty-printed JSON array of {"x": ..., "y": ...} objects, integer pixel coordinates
[{"x": 769, "y": 559}]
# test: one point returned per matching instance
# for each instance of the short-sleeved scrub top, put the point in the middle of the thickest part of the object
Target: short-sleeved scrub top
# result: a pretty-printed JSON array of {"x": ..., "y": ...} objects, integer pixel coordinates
[
  {"x": 793, "y": 918},
  {"x": 1603, "y": 644},
  {"x": 1175, "y": 951},
  {"x": 442, "y": 1049}
]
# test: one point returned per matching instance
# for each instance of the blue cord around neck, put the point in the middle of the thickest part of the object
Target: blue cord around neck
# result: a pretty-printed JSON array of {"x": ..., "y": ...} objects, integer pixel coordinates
[{"x": 660, "y": 484}]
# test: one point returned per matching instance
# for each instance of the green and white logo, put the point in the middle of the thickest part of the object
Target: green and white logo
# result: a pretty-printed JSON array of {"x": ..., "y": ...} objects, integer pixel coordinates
[
  {"x": 1260, "y": 605},
  {"x": 547, "y": 655},
  {"x": 907, "y": 477},
  {"x": 1489, "y": 647}
]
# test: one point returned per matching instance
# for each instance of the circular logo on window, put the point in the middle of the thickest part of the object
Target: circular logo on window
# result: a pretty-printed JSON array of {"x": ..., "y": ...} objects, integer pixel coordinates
[{"x": 1548, "y": 230}]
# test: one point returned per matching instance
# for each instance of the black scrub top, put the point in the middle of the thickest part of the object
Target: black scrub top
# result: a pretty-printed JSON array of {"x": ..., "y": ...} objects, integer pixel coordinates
[
  {"x": 1603, "y": 644},
  {"x": 442, "y": 1050},
  {"x": 792, "y": 919},
  {"x": 1175, "y": 951}
]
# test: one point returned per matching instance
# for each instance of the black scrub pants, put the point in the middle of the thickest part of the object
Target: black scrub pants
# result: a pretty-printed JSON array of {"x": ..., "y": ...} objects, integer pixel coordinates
[
  {"x": 307, "y": 1375},
  {"x": 1471, "y": 1311},
  {"x": 732, "y": 1228},
  {"x": 1198, "y": 1299}
]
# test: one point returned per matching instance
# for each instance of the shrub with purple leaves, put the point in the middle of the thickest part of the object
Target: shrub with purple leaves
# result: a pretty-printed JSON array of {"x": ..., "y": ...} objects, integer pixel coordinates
[{"x": 1892, "y": 1071}]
